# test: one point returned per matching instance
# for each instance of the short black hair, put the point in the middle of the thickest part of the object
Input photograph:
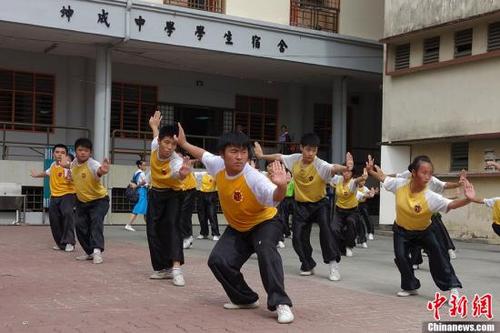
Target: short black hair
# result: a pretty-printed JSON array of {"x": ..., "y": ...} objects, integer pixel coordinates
[
  {"x": 310, "y": 139},
  {"x": 417, "y": 162},
  {"x": 235, "y": 139},
  {"x": 139, "y": 162},
  {"x": 83, "y": 142},
  {"x": 284, "y": 126},
  {"x": 168, "y": 131},
  {"x": 60, "y": 145}
]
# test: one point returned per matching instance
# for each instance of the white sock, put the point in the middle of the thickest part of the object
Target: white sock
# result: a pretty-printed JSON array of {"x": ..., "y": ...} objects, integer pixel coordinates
[
  {"x": 97, "y": 251},
  {"x": 334, "y": 265}
]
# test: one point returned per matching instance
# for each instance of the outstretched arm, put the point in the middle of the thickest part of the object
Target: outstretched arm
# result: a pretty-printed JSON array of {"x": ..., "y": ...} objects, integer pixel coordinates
[
  {"x": 269, "y": 157},
  {"x": 104, "y": 168},
  {"x": 364, "y": 176},
  {"x": 494, "y": 164},
  {"x": 451, "y": 185},
  {"x": 349, "y": 164},
  {"x": 374, "y": 170},
  {"x": 469, "y": 193},
  {"x": 192, "y": 150},
  {"x": 37, "y": 174},
  {"x": 154, "y": 123}
]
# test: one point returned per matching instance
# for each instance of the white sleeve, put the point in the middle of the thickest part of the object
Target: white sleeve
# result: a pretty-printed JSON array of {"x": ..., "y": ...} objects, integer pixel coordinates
[
  {"x": 336, "y": 179},
  {"x": 94, "y": 166},
  {"x": 175, "y": 165},
  {"x": 353, "y": 187},
  {"x": 491, "y": 202},
  {"x": 324, "y": 169},
  {"x": 290, "y": 160},
  {"x": 213, "y": 163},
  {"x": 360, "y": 195},
  {"x": 436, "y": 202},
  {"x": 142, "y": 177},
  {"x": 154, "y": 144},
  {"x": 391, "y": 184},
  {"x": 261, "y": 186},
  {"x": 405, "y": 174},
  {"x": 47, "y": 172},
  {"x": 436, "y": 185}
]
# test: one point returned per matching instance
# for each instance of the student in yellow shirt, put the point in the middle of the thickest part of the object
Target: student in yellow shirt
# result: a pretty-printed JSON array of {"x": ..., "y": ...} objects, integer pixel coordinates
[
  {"x": 364, "y": 193},
  {"x": 62, "y": 200},
  {"x": 346, "y": 220},
  {"x": 415, "y": 204},
  {"x": 187, "y": 208},
  {"x": 207, "y": 207},
  {"x": 92, "y": 202},
  {"x": 248, "y": 199},
  {"x": 311, "y": 175},
  {"x": 494, "y": 204},
  {"x": 163, "y": 224}
]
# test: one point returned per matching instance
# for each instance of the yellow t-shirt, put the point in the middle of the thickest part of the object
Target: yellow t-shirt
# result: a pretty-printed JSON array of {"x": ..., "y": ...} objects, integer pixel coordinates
[
  {"x": 208, "y": 183},
  {"x": 88, "y": 186},
  {"x": 247, "y": 198},
  {"x": 494, "y": 204},
  {"x": 189, "y": 182},
  {"x": 345, "y": 194},
  {"x": 59, "y": 183},
  {"x": 414, "y": 210},
  {"x": 165, "y": 173},
  {"x": 311, "y": 179}
]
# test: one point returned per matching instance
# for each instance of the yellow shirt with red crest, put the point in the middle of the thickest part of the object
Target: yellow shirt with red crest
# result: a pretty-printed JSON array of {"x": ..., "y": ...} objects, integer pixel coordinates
[
  {"x": 165, "y": 172},
  {"x": 59, "y": 181}
]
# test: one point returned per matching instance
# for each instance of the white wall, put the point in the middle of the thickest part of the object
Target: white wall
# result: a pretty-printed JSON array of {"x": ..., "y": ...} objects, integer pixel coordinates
[
  {"x": 275, "y": 11},
  {"x": 362, "y": 18}
]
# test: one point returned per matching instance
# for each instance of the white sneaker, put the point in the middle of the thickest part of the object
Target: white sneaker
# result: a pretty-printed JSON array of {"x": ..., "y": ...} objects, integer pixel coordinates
[
  {"x": 56, "y": 248},
  {"x": 307, "y": 273},
  {"x": 232, "y": 306},
  {"x": 285, "y": 315},
  {"x": 334, "y": 271},
  {"x": 178, "y": 278},
  {"x": 364, "y": 245},
  {"x": 453, "y": 292},
  {"x": 69, "y": 248},
  {"x": 406, "y": 293},
  {"x": 201, "y": 237},
  {"x": 97, "y": 258},
  {"x": 415, "y": 267},
  {"x": 164, "y": 274},
  {"x": 216, "y": 238},
  {"x": 348, "y": 252},
  {"x": 370, "y": 237},
  {"x": 84, "y": 257},
  {"x": 281, "y": 244},
  {"x": 424, "y": 254},
  {"x": 129, "y": 227},
  {"x": 187, "y": 243},
  {"x": 452, "y": 254}
]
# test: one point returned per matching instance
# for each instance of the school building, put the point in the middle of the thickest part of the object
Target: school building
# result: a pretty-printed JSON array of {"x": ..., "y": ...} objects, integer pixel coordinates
[
  {"x": 99, "y": 68},
  {"x": 440, "y": 88}
]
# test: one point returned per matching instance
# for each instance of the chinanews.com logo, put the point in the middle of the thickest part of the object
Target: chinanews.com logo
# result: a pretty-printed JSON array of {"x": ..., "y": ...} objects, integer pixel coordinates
[{"x": 480, "y": 307}]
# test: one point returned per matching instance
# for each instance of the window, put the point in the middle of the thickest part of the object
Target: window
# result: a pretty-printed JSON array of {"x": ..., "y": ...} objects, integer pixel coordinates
[
  {"x": 215, "y": 6},
  {"x": 34, "y": 198},
  {"x": 257, "y": 116},
  {"x": 131, "y": 107},
  {"x": 494, "y": 36},
  {"x": 315, "y": 14},
  {"x": 119, "y": 202},
  {"x": 27, "y": 98},
  {"x": 402, "y": 60},
  {"x": 431, "y": 50},
  {"x": 323, "y": 122},
  {"x": 459, "y": 156},
  {"x": 463, "y": 43}
]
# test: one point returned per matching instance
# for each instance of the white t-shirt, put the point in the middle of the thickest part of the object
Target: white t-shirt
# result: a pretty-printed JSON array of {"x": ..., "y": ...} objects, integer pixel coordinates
[{"x": 140, "y": 178}]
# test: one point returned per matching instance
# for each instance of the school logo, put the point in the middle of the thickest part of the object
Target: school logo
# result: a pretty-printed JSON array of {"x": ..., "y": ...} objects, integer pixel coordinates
[
  {"x": 418, "y": 208},
  {"x": 237, "y": 196},
  {"x": 84, "y": 175},
  {"x": 311, "y": 178},
  {"x": 59, "y": 174},
  {"x": 346, "y": 194},
  {"x": 164, "y": 172}
]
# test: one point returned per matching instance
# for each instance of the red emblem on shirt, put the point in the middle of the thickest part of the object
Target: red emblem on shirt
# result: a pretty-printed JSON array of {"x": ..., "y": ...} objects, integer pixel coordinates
[
  {"x": 237, "y": 196},
  {"x": 164, "y": 171},
  {"x": 59, "y": 174},
  {"x": 311, "y": 178},
  {"x": 418, "y": 208}
]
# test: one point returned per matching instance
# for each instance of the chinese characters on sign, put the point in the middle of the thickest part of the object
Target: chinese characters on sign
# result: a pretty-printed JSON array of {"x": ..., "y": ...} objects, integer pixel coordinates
[
  {"x": 282, "y": 46},
  {"x": 140, "y": 22},
  {"x": 67, "y": 12},
  {"x": 458, "y": 306},
  {"x": 256, "y": 42},
  {"x": 169, "y": 28},
  {"x": 103, "y": 18},
  {"x": 200, "y": 31},
  {"x": 229, "y": 38}
]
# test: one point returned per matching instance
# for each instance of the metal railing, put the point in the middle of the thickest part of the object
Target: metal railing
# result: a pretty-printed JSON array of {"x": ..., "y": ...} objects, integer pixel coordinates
[
  {"x": 215, "y": 6},
  {"x": 315, "y": 14},
  {"x": 48, "y": 130}
]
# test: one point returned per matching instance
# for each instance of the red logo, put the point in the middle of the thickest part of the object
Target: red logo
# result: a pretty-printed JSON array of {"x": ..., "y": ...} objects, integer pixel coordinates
[
  {"x": 237, "y": 196},
  {"x": 418, "y": 209},
  {"x": 164, "y": 172},
  {"x": 481, "y": 306},
  {"x": 59, "y": 174}
]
